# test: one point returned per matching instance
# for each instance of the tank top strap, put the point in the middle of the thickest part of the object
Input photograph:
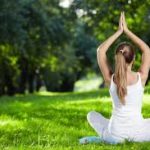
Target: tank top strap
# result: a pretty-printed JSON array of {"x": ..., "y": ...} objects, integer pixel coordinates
[
  {"x": 111, "y": 82},
  {"x": 139, "y": 78},
  {"x": 112, "y": 77},
  {"x": 139, "y": 82}
]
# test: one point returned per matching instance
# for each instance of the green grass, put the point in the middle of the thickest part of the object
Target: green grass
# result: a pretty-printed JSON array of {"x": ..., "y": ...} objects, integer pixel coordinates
[{"x": 54, "y": 121}]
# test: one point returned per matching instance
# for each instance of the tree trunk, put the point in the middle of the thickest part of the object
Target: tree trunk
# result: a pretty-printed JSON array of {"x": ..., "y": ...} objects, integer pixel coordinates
[{"x": 31, "y": 77}]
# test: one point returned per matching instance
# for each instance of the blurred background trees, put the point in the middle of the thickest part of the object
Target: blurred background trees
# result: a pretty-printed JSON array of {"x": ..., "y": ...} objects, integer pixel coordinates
[{"x": 44, "y": 43}]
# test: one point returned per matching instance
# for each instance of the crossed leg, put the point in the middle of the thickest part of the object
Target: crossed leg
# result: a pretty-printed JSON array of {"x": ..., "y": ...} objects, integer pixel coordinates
[
  {"x": 144, "y": 132},
  {"x": 97, "y": 122},
  {"x": 100, "y": 124}
]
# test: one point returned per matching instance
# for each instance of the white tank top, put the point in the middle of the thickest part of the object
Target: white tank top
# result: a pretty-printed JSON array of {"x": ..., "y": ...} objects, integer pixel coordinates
[{"x": 125, "y": 117}]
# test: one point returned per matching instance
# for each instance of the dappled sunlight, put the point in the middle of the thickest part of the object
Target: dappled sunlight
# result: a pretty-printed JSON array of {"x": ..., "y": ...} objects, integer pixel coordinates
[
  {"x": 46, "y": 93},
  {"x": 10, "y": 122},
  {"x": 53, "y": 119},
  {"x": 105, "y": 99}
]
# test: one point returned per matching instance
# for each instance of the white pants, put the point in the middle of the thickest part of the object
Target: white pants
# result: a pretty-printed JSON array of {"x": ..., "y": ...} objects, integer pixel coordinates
[{"x": 100, "y": 124}]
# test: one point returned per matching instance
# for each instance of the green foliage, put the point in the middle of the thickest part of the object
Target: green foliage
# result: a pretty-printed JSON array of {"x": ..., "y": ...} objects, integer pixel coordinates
[
  {"x": 39, "y": 36},
  {"x": 102, "y": 17},
  {"x": 85, "y": 47},
  {"x": 59, "y": 70},
  {"x": 41, "y": 41}
]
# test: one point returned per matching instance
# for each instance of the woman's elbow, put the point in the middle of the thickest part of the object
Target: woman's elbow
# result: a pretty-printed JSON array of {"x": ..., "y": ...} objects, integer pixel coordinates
[{"x": 99, "y": 47}]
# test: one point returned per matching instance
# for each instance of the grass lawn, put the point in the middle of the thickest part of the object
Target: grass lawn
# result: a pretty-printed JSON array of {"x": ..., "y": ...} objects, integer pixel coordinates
[{"x": 54, "y": 121}]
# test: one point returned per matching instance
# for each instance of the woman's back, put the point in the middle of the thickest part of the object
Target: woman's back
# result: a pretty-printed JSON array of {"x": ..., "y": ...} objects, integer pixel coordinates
[
  {"x": 133, "y": 97},
  {"x": 126, "y": 118}
]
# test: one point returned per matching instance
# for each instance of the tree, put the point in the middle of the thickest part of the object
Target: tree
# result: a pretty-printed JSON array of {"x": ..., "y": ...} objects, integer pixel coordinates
[{"x": 102, "y": 17}]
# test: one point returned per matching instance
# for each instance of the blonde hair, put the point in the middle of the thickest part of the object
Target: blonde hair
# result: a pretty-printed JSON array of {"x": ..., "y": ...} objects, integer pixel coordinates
[{"x": 124, "y": 55}]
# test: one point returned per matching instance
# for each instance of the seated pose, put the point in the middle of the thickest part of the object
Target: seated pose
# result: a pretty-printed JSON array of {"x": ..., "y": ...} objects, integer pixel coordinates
[{"x": 126, "y": 88}]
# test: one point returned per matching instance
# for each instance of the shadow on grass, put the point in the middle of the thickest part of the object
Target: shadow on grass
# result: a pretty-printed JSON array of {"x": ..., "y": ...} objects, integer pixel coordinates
[
  {"x": 61, "y": 117},
  {"x": 37, "y": 114},
  {"x": 48, "y": 106},
  {"x": 68, "y": 96}
]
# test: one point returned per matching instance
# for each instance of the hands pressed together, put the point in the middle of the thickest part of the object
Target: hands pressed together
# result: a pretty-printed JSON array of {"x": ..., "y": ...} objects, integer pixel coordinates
[
  {"x": 122, "y": 23},
  {"x": 104, "y": 46}
]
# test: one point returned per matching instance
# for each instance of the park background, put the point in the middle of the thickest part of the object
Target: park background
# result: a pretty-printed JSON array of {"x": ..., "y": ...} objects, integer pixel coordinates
[{"x": 49, "y": 76}]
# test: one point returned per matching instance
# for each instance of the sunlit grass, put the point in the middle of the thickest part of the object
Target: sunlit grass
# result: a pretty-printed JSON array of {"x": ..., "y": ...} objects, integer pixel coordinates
[
  {"x": 90, "y": 82},
  {"x": 56, "y": 120}
]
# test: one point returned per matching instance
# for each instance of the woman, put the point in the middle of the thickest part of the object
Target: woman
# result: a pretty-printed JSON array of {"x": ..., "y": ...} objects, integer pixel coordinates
[{"x": 126, "y": 89}]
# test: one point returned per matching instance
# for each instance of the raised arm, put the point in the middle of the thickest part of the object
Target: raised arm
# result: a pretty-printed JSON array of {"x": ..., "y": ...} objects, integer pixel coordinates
[
  {"x": 145, "y": 65},
  {"x": 101, "y": 53}
]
